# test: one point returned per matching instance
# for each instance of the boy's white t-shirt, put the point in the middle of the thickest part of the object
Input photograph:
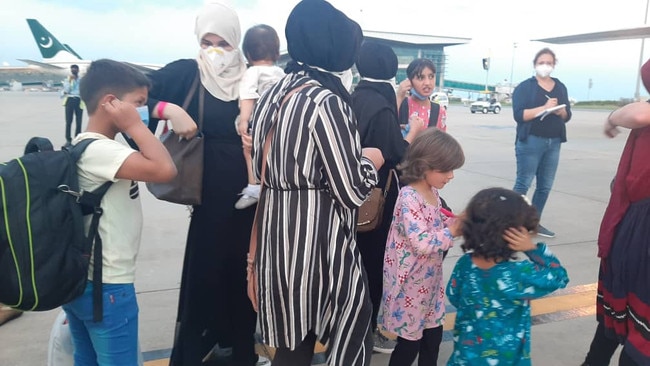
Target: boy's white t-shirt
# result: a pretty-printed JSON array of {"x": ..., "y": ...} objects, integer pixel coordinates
[
  {"x": 258, "y": 79},
  {"x": 120, "y": 226}
]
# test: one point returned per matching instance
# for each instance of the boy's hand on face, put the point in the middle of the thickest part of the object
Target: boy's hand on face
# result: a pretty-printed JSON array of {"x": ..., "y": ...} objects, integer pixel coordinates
[
  {"x": 123, "y": 115},
  {"x": 519, "y": 239}
]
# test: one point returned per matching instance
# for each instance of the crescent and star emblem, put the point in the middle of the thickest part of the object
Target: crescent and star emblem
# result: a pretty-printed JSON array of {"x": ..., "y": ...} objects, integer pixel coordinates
[{"x": 46, "y": 42}]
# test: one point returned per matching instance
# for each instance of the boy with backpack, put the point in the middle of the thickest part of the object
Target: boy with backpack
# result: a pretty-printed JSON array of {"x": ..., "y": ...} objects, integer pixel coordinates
[{"x": 116, "y": 98}]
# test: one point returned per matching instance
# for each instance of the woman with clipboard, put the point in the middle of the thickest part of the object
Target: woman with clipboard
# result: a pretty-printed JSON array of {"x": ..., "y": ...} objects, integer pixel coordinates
[{"x": 541, "y": 108}]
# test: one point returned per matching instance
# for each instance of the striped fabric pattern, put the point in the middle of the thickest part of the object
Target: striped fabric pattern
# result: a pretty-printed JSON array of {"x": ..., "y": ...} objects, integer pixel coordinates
[{"x": 308, "y": 265}]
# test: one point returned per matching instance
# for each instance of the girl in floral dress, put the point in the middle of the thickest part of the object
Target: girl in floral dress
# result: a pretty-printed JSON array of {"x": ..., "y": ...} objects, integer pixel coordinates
[{"x": 413, "y": 298}]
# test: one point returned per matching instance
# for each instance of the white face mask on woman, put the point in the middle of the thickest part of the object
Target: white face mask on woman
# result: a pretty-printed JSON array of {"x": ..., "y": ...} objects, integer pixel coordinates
[
  {"x": 219, "y": 58},
  {"x": 346, "y": 79},
  {"x": 543, "y": 70}
]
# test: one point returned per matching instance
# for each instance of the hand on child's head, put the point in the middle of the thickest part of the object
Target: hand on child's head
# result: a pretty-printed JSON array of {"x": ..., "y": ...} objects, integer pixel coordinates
[{"x": 519, "y": 239}]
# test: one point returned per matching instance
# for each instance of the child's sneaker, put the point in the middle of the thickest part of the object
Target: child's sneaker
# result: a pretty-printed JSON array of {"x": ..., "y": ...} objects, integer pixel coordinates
[
  {"x": 263, "y": 361},
  {"x": 382, "y": 344},
  {"x": 250, "y": 196},
  {"x": 542, "y": 231}
]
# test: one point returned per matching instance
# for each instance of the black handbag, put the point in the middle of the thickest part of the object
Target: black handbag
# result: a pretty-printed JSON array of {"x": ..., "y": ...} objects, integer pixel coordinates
[{"x": 187, "y": 155}]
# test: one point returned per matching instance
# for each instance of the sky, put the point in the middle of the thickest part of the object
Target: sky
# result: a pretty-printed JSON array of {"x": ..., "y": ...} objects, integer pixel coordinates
[{"x": 162, "y": 31}]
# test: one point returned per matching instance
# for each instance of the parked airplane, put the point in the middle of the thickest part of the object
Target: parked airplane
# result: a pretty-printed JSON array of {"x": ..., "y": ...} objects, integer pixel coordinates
[{"x": 57, "y": 56}]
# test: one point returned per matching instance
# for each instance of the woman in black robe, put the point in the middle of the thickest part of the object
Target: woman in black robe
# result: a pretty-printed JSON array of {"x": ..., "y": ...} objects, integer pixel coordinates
[
  {"x": 375, "y": 106},
  {"x": 213, "y": 306}
]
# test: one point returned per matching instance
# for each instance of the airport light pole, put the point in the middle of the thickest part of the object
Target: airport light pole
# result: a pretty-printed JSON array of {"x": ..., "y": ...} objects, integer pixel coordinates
[
  {"x": 512, "y": 66},
  {"x": 486, "y": 67},
  {"x": 637, "y": 96}
]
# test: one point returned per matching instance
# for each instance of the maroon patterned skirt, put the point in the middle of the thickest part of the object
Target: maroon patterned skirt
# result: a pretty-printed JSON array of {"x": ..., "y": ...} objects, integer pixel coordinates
[{"x": 623, "y": 304}]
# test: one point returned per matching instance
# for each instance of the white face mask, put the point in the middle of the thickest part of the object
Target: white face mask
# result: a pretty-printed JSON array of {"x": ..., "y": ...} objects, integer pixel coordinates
[
  {"x": 543, "y": 70},
  {"x": 346, "y": 79},
  {"x": 218, "y": 57},
  {"x": 144, "y": 114}
]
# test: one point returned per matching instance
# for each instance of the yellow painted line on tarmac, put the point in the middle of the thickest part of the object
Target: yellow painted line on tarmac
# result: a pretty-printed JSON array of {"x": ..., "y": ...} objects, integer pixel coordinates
[
  {"x": 161, "y": 362},
  {"x": 579, "y": 300},
  {"x": 554, "y": 304}
]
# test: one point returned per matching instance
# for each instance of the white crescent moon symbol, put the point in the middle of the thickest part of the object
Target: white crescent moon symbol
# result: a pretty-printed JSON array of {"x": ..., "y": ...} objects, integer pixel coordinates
[{"x": 48, "y": 44}]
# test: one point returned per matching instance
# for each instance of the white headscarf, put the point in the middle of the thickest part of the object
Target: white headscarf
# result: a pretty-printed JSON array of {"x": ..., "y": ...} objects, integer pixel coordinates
[{"x": 219, "y": 19}]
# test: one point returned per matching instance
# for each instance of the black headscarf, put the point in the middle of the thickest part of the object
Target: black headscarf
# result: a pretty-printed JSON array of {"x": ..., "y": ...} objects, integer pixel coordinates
[
  {"x": 378, "y": 61},
  {"x": 319, "y": 35}
]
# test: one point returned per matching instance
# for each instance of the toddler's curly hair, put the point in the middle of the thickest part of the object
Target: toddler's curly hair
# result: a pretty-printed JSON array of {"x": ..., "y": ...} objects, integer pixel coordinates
[{"x": 489, "y": 213}]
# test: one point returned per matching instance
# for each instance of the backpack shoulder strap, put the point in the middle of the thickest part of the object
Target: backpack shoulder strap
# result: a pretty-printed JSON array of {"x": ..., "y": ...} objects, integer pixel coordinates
[
  {"x": 433, "y": 114},
  {"x": 93, "y": 201},
  {"x": 79, "y": 148},
  {"x": 90, "y": 203}
]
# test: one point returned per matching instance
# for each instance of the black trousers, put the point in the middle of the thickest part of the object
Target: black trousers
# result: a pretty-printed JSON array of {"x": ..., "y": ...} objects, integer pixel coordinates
[
  {"x": 213, "y": 303},
  {"x": 602, "y": 349},
  {"x": 302, "y": 355},
  {"x": 72, "y": 107},
  {"x": 426, "y": 349}
]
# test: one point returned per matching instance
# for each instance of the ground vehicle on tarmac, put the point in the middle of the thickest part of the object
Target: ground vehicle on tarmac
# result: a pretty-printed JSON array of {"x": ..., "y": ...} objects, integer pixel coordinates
[
  {"x": 485, "y": 105},
  {"x": 440, "y": 98}
]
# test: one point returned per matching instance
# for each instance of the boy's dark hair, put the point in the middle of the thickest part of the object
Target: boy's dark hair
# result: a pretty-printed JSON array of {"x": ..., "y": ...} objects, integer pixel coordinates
[
  {"x": 489, "y": 213},
  {"x": 418, "y": 65},
  {"x": 432, "y": 149},
  {"x": 261, "y": 42},
  {"x": 106, "y": 76}
]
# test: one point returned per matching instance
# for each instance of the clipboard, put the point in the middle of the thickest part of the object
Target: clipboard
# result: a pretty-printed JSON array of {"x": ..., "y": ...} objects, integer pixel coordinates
[{"x": 548, "y": 111}]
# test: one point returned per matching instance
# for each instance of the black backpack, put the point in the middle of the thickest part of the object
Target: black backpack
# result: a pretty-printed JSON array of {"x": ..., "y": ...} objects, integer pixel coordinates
[{"x": 44, "y": 251}]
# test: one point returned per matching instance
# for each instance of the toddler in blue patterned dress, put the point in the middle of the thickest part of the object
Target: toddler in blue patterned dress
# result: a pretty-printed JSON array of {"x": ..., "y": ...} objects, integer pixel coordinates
[{"x": 490, "y": 289}]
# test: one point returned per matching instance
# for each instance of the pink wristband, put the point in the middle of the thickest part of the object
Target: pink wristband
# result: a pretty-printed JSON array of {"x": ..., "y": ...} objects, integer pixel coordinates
[{"x": 160, "y": 109}]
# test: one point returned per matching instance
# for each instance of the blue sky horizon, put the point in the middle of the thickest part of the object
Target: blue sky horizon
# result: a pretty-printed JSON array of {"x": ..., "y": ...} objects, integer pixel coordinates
[{"x": 162, "y": 31}]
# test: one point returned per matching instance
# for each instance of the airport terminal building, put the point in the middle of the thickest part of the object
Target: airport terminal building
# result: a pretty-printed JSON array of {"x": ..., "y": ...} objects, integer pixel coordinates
[{"x": 408, "y": 47}]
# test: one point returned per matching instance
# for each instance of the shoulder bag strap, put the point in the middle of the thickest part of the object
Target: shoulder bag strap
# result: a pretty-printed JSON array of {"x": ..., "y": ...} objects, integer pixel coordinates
[
  {"x": 190, "y": 94},
  {"x": 252, "y": 249},
  {"x": 388, "y": 181}
]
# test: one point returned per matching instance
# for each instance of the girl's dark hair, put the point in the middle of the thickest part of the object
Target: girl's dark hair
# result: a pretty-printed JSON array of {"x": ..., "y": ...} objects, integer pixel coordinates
[
  {"x": 489, "y": 213},
  {"x": 106, "y": 76},
  {"x": 418, "y": 65},
  {"x": 432, "y": 149},
  {"x": 261, "y": 42},
  {"x": 544, "y": 51}
]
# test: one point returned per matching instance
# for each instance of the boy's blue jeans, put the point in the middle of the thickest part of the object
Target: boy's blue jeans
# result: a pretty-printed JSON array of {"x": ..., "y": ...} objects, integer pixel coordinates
[
  {"x": 538, "y": 158},
  {"x": 114, "y": 340}
]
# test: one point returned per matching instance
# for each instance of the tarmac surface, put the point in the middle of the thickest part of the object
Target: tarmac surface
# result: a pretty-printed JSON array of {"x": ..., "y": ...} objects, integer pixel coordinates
[{"x": 563, "y": 322}]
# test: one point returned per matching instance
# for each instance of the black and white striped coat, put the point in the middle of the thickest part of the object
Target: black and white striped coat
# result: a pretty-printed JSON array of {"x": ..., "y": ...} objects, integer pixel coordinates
[{"x": 308, "y": 266}]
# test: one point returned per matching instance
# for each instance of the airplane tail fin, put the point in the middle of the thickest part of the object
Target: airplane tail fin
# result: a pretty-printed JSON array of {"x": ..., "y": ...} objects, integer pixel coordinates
[
  {"x": 71, "y": 50},
  {"x": 47, "y": 43}
]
